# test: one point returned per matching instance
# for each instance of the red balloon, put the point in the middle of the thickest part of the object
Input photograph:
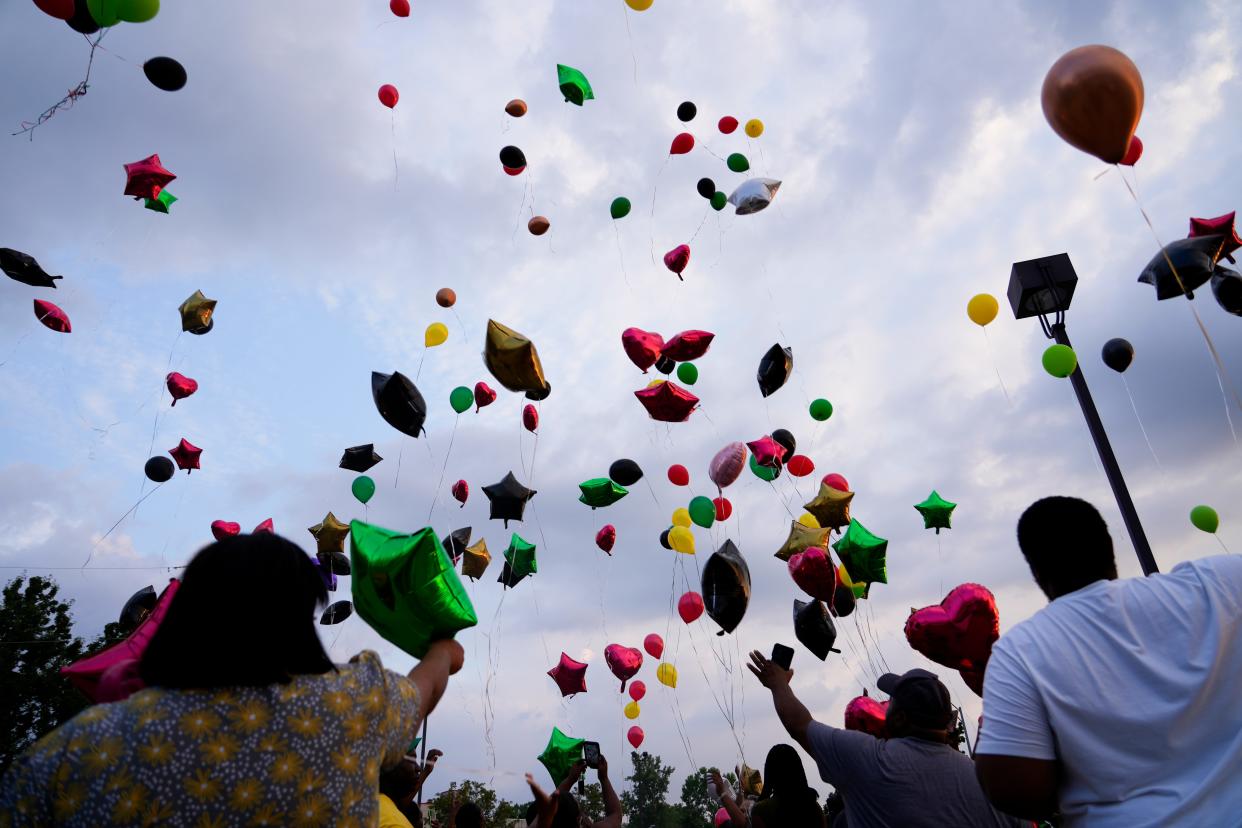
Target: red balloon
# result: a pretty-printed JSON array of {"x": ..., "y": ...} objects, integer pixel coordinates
[
  {"x": 642, "y": 347},
  {"x": 688, "y": 346},
  {"x": 690, "y": 606},
  {"x": 484, "y": 395},
  {"x": 724, "y": 509},
  {"x": 186, "y": 454},
  {"x": 813, "y": 572},
  {"x": 654, "y": 645},
  {"x": 401, "y": 8},
  {"x": 635, "y": 736},
  {"x": 682, "y": 144},
  {"x": 180, "y": 386},
  {"x": 638, "y": 690},
  {"x": 959, "y": 631},
  {"x": 677, "y": 259},
  {"x": 569, "y": 675},
  {"x": 668, "y": 402},
  {"x": 265, "y": 526},
  {"x": 146, "y": 178},
  {"x": 606, "y": 538},
  {"x": 678, "y": 475},
  {"x": 513, "y": 170},
  {"x": 221, "y": 529},
  {"x": 728, "y": 124},
  {"x": 624, "y": 662},
  {"x": 837, "y": 482},
  {"x": 60, "y": 9},
  {"x": 461, "y": 492},
  {"x": 867, "y": 715},
  {"x": 530, "y": 418},
  {"x": 800, "y": 465},
  {"x": 389, "y": 95},
  {"x": 1134, "y": 152},
  {"x": 51, "y": 316}
]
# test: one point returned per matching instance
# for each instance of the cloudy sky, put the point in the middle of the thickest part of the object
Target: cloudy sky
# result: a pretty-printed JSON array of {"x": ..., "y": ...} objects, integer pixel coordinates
[{"x": 917, "y": 167}]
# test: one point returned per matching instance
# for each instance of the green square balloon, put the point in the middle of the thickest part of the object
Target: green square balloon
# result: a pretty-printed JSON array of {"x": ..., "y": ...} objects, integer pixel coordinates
[
  {"x": 162, "y": 203},
  {"x": 574, "y": 85},
  {"x": 560, "y": 754}
]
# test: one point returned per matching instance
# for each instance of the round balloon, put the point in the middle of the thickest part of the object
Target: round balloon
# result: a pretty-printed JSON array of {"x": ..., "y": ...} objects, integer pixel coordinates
[
  {"x": 763, "y": 472},
  {"x": 666, "y": 673},
  {"x": 706, "y": 187},
  {"x": 1118, "y": 354},
  {"x": 682, "y": 143},
  {"x": 639, "y": 5},
  {"x": 800, "y": 465},
  {"x": 538, "y": 225},
  {"x": 512, "y": 158},
  {"x": 1060, "y": 361},
  {"x": 638, "y": 690},
  {"x": 1093, "y": 98},
  {"x": 688, "y": 373},
  {"x": 635, "y": 734},
  {"x": 821, "y": 409},
  {"x": 754, "y": 127},
  {"x": 737, "y": 162},
  {"x": 982, "y": 309},
  {"x": 1205, "y": 519},
  {"x": 690, "y": 607},
  {"x": 1134, "y": 153},
  {"x": 515, "y": 108},
  {"x": 719, "y": 201},
  {"x": 727, "y": 124},
  {"x": 681, "y": 539},
  {"x": 363, "y": 488},
  {"x": 159, "y": 469},
  {"x": 446, "y": 297},
  {"x": 401, "y": 8},
  {"x": 137, "y": 11},
  {"x": 60, "y": 9},
  {"x": 654, "y": 645},
  {"x": 678, "y": 475},
  {"x": 702, "y": 512},
  {"x": 436, "y": 334},
  {"x": 808, "y": 520},
  {"x": 461, "y": 399},
  {"x": 724, "y": 509},
  {"x": 631, "y": 710},
  {"x": 686, "y": 111},
  {"x": 620, "y": 207},
  {"x": 388, "y": 95},
  {"x": 625, "y": 472},
  {"x": 681, "y": 517},
  {"x": 165, "y": 73}
]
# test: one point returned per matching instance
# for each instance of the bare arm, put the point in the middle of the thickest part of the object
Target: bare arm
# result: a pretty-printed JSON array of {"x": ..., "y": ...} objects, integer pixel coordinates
[
  {"x": 571, "y": 779},
  {"x": 427, "y": 768},
  {"x": 545, "y": 806},
  {"x": 431, "y": 675},
  {"x": 792, "y": 712},
  {"x": 1025, "y": 788},
  {"x": 727, "y": 800},
  {"x": 612, "y": 803}
]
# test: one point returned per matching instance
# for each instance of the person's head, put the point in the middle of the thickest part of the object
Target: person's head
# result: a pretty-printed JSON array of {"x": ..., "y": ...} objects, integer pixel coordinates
[
  {"x": 918, "y": 705},
  {"x": 1066, "y": 544},
  {"x": 244, "y": 615},
  {"x": 400, "y": 783},
  {"x": 566, "y": 812},
  {"x": 783, "y": 772},
  {"x": 468, "y": 816}
]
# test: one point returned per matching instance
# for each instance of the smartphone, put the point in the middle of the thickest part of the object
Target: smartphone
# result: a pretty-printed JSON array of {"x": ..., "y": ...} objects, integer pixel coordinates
[
  {"x": 590, "y": 754},
  {"x": 782, "y": 655}
]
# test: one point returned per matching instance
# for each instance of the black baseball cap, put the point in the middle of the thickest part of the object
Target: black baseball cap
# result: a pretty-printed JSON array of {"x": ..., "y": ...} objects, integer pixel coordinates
[{"x": 920, "y": 695}]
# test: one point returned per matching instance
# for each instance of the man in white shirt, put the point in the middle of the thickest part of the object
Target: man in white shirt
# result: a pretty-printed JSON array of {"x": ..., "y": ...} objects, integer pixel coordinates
[{"x": 1120, "y": 703}]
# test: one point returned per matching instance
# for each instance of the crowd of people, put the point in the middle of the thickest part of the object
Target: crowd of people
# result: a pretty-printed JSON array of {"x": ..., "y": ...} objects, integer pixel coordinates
[{"x": 1114, "y": 705}]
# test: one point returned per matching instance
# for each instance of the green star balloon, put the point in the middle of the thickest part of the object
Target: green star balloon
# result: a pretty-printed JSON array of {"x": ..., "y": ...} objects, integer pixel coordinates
[
  {"x": 801, "y": 538},
  {"x": 560, "y": 754},
  {"x": 863, "y": 554},
  {"x": 936, "y": 512},
  {"x": 574, "y": 85},
  {"x": 519, "y": 561},
  {"x": 404, "y": 586},
  {"x": 601, "y": 492}
]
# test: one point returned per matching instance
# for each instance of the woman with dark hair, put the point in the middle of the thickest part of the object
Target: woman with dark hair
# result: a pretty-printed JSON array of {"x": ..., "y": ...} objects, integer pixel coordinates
[
  {"x": 245, "y": 721},
  {"x": 786, "y": 800}
]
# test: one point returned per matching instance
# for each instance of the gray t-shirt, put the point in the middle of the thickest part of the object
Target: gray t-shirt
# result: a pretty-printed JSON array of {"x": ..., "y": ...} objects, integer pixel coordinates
[{"x": 901, "y": 783}]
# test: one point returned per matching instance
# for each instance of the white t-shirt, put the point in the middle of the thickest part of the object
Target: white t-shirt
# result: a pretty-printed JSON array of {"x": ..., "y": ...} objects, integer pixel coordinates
[{"x": 1136, "y": 687}]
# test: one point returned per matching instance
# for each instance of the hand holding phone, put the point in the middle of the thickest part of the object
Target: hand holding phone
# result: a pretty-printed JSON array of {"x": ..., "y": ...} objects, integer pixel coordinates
[
  {"x": 782, "y": 656},
  {"x": 590, "y": 754}
]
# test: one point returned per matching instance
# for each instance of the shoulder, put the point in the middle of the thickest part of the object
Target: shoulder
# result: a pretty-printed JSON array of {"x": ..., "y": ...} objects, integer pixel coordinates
[
  {"x": 1220, "y": 568},
  {"x": 824, "y": 738}
]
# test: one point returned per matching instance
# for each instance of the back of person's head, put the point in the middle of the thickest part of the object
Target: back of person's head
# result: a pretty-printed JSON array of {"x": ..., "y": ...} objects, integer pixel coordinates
[
  {"x": 566, "y": 812},
  {"x": 400, "y": 781},
  {"x": 243, "y": 616},
  {"x": 784, "y": 778},
  {"x": 469, "y": 815},
  {"x": 918, "y": 705},
  {"x": 1066, "y": 543}
]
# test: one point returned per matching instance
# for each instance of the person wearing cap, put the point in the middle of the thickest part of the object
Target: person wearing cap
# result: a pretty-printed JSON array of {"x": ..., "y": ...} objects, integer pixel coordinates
[
  {"x": 1118, "y": 702},
  {"x": 913, "y": 778}
]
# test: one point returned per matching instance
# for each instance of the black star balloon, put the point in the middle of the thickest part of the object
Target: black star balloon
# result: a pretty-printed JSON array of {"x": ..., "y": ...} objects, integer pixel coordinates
[
  {"x": 456, "y": 543},
  {"x": 360, "y": 458},
  {"x": 814, "y": 628},
  {"x": 1227, "y": 288},
  {"x": 774, "y": 369},
  {"x": 399, "y": 402},
  {"x": 508, "y": 498},
  {"x": 23, "y": 268},
  {"x": 1193, "y": 262},
  {"x": 726, "y": 587}
]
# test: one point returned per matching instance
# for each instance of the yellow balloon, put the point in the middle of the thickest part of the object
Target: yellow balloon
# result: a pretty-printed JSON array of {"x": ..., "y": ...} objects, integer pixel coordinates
[
  {"x": 631, "y": 710},
  {"x": 982, "y": 309},
  {"x": 754, "y": 127},
  {"x": 437, "y": 334},
  {"x": 639, "y": 5},
  {"x": 681, "y": 539},
  {"x": 681, "y": 517},
  {"x": 666, "y": 674},
  {"x": 655, "y": 382},
  {"x": 844, "y": 577},
  {"x": 808, "y": 520}
]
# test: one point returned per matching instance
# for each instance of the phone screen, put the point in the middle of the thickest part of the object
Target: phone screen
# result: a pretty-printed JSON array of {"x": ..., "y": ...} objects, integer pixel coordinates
[
  {"x": 590, "y": 754},
  {"x": 782, "y": 655}
]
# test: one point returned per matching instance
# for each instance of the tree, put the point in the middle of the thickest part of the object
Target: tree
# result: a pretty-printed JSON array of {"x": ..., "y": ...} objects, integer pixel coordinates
[
  {"x": 591, "y": 801},
  {"x": 644, "y": 800},
  {"x": 698, "y": 808},
  {"x": 469, "y": 791}
]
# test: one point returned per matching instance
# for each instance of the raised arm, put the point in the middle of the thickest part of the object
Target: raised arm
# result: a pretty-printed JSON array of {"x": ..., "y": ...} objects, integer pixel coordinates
[
  {"x": 792, "y": 713},
  {"x": 612, "y": 803},
  {"x": 431, "y": 675},
  {"x": 736, "y": 815}
]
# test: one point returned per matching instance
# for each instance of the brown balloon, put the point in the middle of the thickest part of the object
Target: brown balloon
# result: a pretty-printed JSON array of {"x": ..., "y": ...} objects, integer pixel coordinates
[
  {"x": 538, "y": 225},
  {"x": 446, "y": 297},
  {"x": 1093, "y": 98},
  {"x": 516, "y": 107}
]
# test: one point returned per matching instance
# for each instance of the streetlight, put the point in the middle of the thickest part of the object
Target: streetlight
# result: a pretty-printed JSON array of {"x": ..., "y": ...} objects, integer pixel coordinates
[{"x": 1044, "y": 287}]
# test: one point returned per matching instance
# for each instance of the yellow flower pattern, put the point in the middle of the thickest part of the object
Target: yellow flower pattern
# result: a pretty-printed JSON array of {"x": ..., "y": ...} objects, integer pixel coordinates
[{"x": 303, "y": 754}]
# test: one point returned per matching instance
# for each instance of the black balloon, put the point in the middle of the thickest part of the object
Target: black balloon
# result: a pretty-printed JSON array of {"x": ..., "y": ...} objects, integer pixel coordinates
[
  {"x": 336, "y": 613},
  {"x": 1194, "y": 259},
  {"x": 814, "y": 628},
  {"x": 774, "y": 369},
  {"x": 510, "y": 578},
  {"x": 625, "y": 472},
  {"x": 137, "y": 608},
  {"x": 726, "y": 587},
  {"x": 687, "y": 111},
  {"x": 787, "y": 442},
  {"x": 455, "y": 543},
  {"x": 360, "y": 458},
  {"x": 159, "y": 469},
  {"x": 537, "y": 394},
  {"x": 203, "y": 329},
  {"x": 165, "y": 73},
  {"x": 399, "y": 402},
  {"x": 706, "y": 187},
  {"x": 508, "y": 499},
  {"x": 1118, "y": 354},
  {"x": 664, "y": 539},
  {"x": 665, "y": 365},
  {"x": 336, "y": 561},
  {"x": 1227, "y": 288},
  {"x": 513, "y": 158},
  {"x": 82, "y": 21},
  {"x": 23, "y": 268},
  {"x": 843, "y": 601}
]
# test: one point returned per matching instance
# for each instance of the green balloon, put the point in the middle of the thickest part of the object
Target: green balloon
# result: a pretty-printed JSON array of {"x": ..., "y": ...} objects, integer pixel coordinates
[
  {"x": 620, "y": 207},
  {"x": 762, "y": 472},
  {"x": 600, "y": 492},
  {"x": 1205, "y": 518},
  {"x": 1060, "y": 361},
  {"x": 137, "y": 11},
  {"x": 104, "y": 12},
  {"x": 821, "y": 409},
  {"x": 719, "y": 200},
  {"x": 461, "y": 399},
  {"x": 687, "y": 373},
  {"x": 560, "y": 755},
  {"x": 737, "y": 162},
  {"x": 702, "y": 512},
  {"x": 363, "y": 488}
]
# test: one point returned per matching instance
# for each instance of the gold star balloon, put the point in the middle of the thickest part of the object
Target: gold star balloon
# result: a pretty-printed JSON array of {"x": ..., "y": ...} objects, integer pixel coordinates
[
  {"x": 475, "y": 560},
  {"x": 196, "y": 313},
  {"x": 514, "y": 362},
  {"x": 329, "y": 534},
  {"x": 802, "y": 537},
  {"x": 831, "y": 507}
]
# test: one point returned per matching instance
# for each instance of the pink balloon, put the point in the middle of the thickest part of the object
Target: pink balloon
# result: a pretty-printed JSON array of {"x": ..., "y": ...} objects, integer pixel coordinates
[
  {"x": 569, "y": 675},
  {"x": 221, "y": 529},
  {"x": 642, "y": 347},
  {"x": 180, "y": 386},
  {"x": 867, "y": 715},
  {"x": 623, "y": 661},
  {"x": 690, "y": 606},
  {"x": 637, "y": 690},
  {"x": 813, "y": 572},
  {"x": 52, "y": 316},
  {"x": 837, "y": 482},
  {"x": 265, "y": 526},
  {"x": 461, "y": 492},
  {"x": 654, "y": 645},
  {"x": 768, "y": 452},
  {"x": 530, "y": 418},
  {"x": 677, "y": 259},
  {"x": 635, "y": 735},
  {"x": 727, "y": 465},
  {"x": 959, "y": 631},
  {"x": 484, "y": 395},
  {"x": 606, "y": 537}
]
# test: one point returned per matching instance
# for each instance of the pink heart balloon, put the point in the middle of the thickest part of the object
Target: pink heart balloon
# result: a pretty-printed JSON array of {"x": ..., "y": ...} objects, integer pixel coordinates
[
  {"x": 642, "y": 347},
  {"x": 265, "y": 526},
  {"x": 654, "y": 645},
  {"x": 623, "y": 661},
  {"x": 960, "y": 631},
  {"x": 606, "y": 538},
  {"x": 222, "y": 529},
  {"x": 867, "y": 715},
  {"x": 677, "y": 259},
  {"x": 813, "y": 572}
]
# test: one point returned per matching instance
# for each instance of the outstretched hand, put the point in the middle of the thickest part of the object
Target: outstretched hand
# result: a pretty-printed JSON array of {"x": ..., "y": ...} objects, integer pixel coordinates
[
  {"x": 770, "y": 674},
  {"x": 545, "y": 806}
]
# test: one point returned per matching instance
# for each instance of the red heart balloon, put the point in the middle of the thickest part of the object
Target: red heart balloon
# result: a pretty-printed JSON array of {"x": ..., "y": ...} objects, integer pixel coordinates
[
  {"x": 180, "y": 386},
  {"x": 960, "y": 631},
  {"x": 642, "y": 347},
  {"x": 654, "y": 645},
  {"x": 813, "y": 572},
  {"x": 484, "y": 395},
  {"x": 867, "y": 715},
  {"x": 677, "y": 259},
  {"x": 688, "y": 346},
  {"x": 222, "y": 529},
  {"x": 605, "y": 538},
  {"x": 690, "y": 606},
  {"x": 623, "y": 661}
]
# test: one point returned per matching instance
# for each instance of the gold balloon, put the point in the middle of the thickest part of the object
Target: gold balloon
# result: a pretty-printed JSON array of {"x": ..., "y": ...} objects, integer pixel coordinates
[
  {"x": 329, "y": 534},
  {"x": 754, "y": 127},
  {"x": 1093, "y": 98},
  {"x": 831, "y": 507},
  {"x": 196, "y": 312},
  {"x": 631, "y": 710},
  {"x": 808, "y": 520},
  {"x": 982, "y": 309},
  {"x": 681, "y": 517},
  {"x": 666, "y": 674},
  {"x": 639, "y": 5},
  {"x": 801, "y": 537},
  {"x": 475, "y": 559},
  {"x": 436, "y": 334},
  {"x": 513, "y": 361},
  {"x": 751, "y": 781},
  {"x": 681, "y": 539}
]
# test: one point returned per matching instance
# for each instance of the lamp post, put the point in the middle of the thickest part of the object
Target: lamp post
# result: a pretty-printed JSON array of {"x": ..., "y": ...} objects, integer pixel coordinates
[{"x": 1044, "y": 287}]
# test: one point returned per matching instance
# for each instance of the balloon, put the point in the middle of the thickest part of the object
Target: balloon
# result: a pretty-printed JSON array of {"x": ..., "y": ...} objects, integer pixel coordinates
[
  {"x": 514, "y": 361},
  {"x": 606, "y": 538},
  {"x": 678, "y": 475},
  {"x": 1193, "y": 263},
  {"x": 1218, "y": 226},
  {"x": 519, "y": 561},
  {"x": 1093, "y": 99},
  {"x": 936, "y": 512},
  {"x": 405, "y": 588},
  {"x": 753, "y": 195},
  {"x": 363, "y": 488},
  {"x": 625, "y": 471},
  {"x": 982, "y": 308},
  {"x": 137, "y": 11},
  {"x": 475, "y": 560},
  {"x": 867, "y": 715},
  {"x": 635, "y": 733},
  {"x": 1205, "y": 519},
  {"x": 1227, "y": 288},
  {"x": 530, "y": 418},
  {"x": 52, "y": 316},
  {"x": 727, "y": 125},
  {"x": 460, "y": 491},
  {"x": 159, "y": 469},
  {"x": 165, "y": 73},
  {"x": 786, "y": 440},
  {"x": 461, "y": 399},
  {"x": 800, "y": 465},
  {"x": 754, "y": 127},
  {"x": 620, "y": 207},
  {"x": 768, "y": 473},
  {"x": 681, "y": 517},
  {"x": 600, "y": 492},
  {"x": 724, "y": 509},
  {"x": 686, "y": 111},
  {"x": 538, "y": 225},
  {"x": 690, "y": 606},
  {"x": 336, "y": 612},
  {"x": 642, "y": 347},
  {"x": 399, "y": 402},
  {"x": 774, "y": 369},
  {"x": 767, "y": 452},
  {"x": 560, "y": 755},
  {"x": 329, "y": 535},
  {"x": 508, "y": 499},
  {"x": 727, "y": 465},
  {"x": 484, "y": 395},
  {"x": 624, "y": 662},
  {"x": 388, "y": 95},
  {"x": 196, "y": 313},
  {"x": 688, "y": 346},
  {"x": 801, "y": 537},
  {"x": 702, "y": 512},
  {"x": 359, "y": 458},
  {"x": 665, "y": 366},
  {"x": 60, "y": 9},
  {"x": 515, "y": 108},
  {"x": 1133, "y": 153},
  {"x": 137, "y": 608},
  {"x": 814, "y": 628},
  {"x": 436, "y": 334},
  {"x": 664, "y": 539},
  {"x": 687, "y": 373},
  {"x": 654, "y": 645},
  {"x": 639, "y": 5},
  {"x": 821, "y": 410},
  {"x": 401, "y": 8},
  {"x": 574, "y": 85},
  {"x": 682, "y": 144},
  {"x": 813, "y": 572},
  {"x": 726, "y": 587},
  {"x": 569, "y": 675},
  {"x": 186, "y": 454},
  {"x": 1060, "y": 361},
  {"x": 666, "y": 673},
  {"x": 837, "y": 482},
  {"x": 161, "y": 204},
  {"x": 632, "y": 710},
  {"x": 456, "y": 543},
  {"x": 863, "y": 554},
  {"x": 677, "y": 259},
  {"x": 446, "y": 297},
  {"x": 843, "y": 601},
  {"x": 719, "y": 200},
  {"x": 512, "y": 158},
  {"x": 831, "y": 506},
  {"x": 737, "y": 163},
  {"x": 959, "y": 631},
  {"x": 104, "y": 12},
  {"x": 681, "y": 539},
  {"x": 667, "y": 402},
  {"x": 1118, "y": 354},
  {"x": 23, "y": 268},
  {"x": 808, "y": 520},
  {"x": 706, "y": 187},
  {"x": 221, "y": 529}
]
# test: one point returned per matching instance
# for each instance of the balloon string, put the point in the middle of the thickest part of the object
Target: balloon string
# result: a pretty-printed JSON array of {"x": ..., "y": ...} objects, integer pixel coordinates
[
  {"x": 655, "y": 189},
  {"x": 940, "y": 571},
  {"x": 1222, "y": 543},
  {"x": 1143, "y": 428},
  {"x": 1225, "y": 400},
  {"x": 443, "y": 469},
  {"x": 396, "y": 172},
  {"x": 630, "y": 39},
  {"x": 400, "y": 453},
  {"x": 71, "y": 97},
  {"x": 706, "y": 210},
  {"x": 620, "y": 257},
  {"x": 128, "y": 511},
  {"x": 419, "y": 372},
  {"x": 995, "y": 367}
]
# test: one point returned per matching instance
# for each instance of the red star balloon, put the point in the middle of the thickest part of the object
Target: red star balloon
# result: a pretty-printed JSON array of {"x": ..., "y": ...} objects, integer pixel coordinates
[
  {"x": 1219, "y": 226},
  {"x": 145, "y": 178},
  {"x": 677, "y": 259},
  {"x": 51, "y": 316},
  {"x": 484, "y": 395},
  {"x": 667, "y": 402},
  {"x": 606, "y": 538},
  {"x": 180, "y": 387},
  {"x": 265, "y": 526},
  {"x": 186, "y": 454},
  {"x": 767, "y": 452},
  {"x": 569, "y": 675},
  {"x": 642, "y": 347},
  {"x": 688, "y": 346}
]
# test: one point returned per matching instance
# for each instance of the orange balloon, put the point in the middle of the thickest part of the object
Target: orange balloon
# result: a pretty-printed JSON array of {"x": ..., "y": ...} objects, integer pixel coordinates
[
  {"x": 516, "y": 108},
  {"x": 1093, "y": 98},
  {"x": 538, "y": 225},
  {"x": 446, "y": 297}
]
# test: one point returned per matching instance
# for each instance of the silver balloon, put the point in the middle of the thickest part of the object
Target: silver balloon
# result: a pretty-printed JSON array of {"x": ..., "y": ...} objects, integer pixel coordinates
[{"x": 754, "y": 194}]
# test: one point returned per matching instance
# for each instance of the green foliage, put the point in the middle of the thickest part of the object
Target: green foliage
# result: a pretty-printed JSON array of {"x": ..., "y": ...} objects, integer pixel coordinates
[
  {"x": 591, "y": 801},
  {"x": 468, "y": 791},
  {"x": 644, "y": 801},
  {"x": 697, "y": 804}
]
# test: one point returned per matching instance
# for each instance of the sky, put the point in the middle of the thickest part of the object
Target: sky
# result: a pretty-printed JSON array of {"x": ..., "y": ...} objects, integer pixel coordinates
[{"x": 916, "y": 168}]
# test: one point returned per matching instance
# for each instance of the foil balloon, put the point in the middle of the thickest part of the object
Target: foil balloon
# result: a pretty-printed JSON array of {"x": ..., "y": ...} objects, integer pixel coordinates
[
  {"x": 530, "y": 418},
  {"x": 186, "y": 455},
  {"x": 23, "y": 268},
  {"x": 654, "y": 645},
  {"x": 221, "y": 529},
  {"x": 800, "y": 465},
  {"x": 690, "y": 606},
  {"x": 843, "y": 600},
  {"x": 635, "y": 736},
  {"x": 162, "y": 204},
  {"x": 516, "y": 108},
  {"x": 606, "y": 538},
  {"x": 179, "y": 386},
  {"x": 767, "y": 452},
  {"x": 197, "y": 314},
  {"x": 668, "y": 402},
  {"x": 1093, "y": 98},
  {"x": 727, "y": 465},
  {"x": 324, "y": 568},
  {"x": 936, "y": 511},
  {"x": 266, "y": 526},
  {"x": 1219, "y": 226},
  {"x": 683, "y": 142},
  {"x": 753, "y": 195},
  {"x": 329, "y": 535},
  {"x": 813, "y": 572},
  {"x": 514, "y": 362},
  {"x": 137, "y": 608},
  {"x": 51, "y": 316},
  {"x": 600, "y": 492},
  {"x": 560, "y": 755},
  {"x": 388, "y": 95},
  {"x": 336, "y": 612},
  {"x": 677, "y": 259},
  {"x": 461, "y": 492},
  {"x": 801, "y": 538},
  {"x": 538, "y": 225},
  {"x": 399, "y": 402},
  {"x": 774, "y": 369},
  {"x": 508, "y": 499},
  {"x": 688, "y": 346},
  {"x": 484, "y": 395},
  {"x": 360, "y": 458},
  {"x": 446, "y": 297},
  {"x": 456, "y": 543},
  {"x": 624, "y": 662},
  {"x": 666, "y": 674},
  {"x": 159, "y": 469},
  {"x": 678, "y": 475},
  {"x": 958, "y": 632},
  {"x": 476, "y": 560},
  {"x": 574, "y": 85},
  {"x": 519, "y": 561},
  {"x": 1117, "y": 354},
  {"x": 863, "y": 554},
  {"x": 814, "y": 628},
  {"x": 726, "y": 587},
  {"x": 831, "y": 506},
  {"x": 642, "y": 347},
  {"x": 165, "y": 73},
  {"x": 727, "y": 125},
  {"x": 866, "y": 715},
  {"x": 1227, "y": 288},
  {"x": 1183, "y": 265},
  {"x": 625, "y": 471},
  {"x": 569, "y": 675},
  {"x": 145, "y": 178}
]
